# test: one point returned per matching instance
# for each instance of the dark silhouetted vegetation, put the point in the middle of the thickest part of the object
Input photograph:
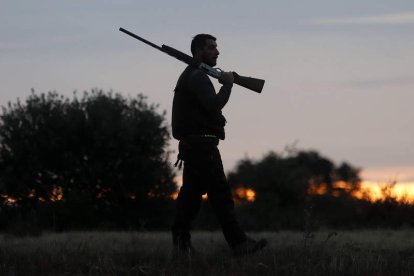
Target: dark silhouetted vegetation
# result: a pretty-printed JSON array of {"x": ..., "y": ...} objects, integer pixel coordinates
[
  {"x": 97, "y": 161},
  {"x": 298, "y": 188},
  {"x": 101, "y": 162}
]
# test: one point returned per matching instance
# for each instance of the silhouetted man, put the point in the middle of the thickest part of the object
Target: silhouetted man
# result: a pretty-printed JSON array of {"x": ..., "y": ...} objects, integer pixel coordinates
[{"x": 198, "y": 123}]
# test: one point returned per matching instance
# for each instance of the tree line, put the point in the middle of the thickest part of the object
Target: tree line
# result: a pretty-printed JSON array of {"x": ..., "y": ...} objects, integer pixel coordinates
[{"x": 101, "y": 161}]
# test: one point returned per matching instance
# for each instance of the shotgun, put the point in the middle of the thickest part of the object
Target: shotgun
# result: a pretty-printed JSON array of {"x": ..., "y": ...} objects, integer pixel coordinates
[{"x": 253, "y": 84}]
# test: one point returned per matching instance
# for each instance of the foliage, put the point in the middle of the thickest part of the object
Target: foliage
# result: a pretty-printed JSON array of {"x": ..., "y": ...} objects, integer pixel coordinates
[
  {"x": 286, "y": 184},
  {"x": 101, "y": 151},
  {"x": 293, "y": 186},
  {"x": 100, "y": 161}
]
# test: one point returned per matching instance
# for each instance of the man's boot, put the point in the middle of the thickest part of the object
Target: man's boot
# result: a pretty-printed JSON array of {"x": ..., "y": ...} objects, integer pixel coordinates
[
  {"x": 183, "y": 250},
  {"x": 249, "y": 246}
]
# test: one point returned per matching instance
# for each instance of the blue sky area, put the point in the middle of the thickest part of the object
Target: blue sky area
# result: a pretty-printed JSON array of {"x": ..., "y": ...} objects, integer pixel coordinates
[{"x": 339, "y": 74}]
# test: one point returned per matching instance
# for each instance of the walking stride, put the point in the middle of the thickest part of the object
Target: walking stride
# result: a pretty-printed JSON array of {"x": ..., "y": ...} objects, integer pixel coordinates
[{"x": 198, "y": 124}]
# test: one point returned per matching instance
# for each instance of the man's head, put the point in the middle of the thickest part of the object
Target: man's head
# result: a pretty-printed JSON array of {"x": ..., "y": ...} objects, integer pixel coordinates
[{"x": 204, "y": 49}]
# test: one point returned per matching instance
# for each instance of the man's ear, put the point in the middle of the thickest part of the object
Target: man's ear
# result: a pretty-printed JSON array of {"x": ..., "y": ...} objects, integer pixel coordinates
[{"x": 198, "y": 54}]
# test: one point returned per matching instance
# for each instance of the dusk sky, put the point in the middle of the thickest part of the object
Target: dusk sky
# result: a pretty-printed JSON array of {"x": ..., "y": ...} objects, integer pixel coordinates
[{"x": 339, "y": 74}]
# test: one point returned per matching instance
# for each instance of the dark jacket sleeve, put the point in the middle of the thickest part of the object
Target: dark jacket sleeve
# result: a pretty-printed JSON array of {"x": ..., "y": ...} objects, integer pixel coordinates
[{"x": 206, "y": 94}]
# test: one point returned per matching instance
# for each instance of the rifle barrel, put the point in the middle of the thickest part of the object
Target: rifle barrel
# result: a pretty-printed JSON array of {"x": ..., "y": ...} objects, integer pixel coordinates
[{"x": 141, "y": 39}]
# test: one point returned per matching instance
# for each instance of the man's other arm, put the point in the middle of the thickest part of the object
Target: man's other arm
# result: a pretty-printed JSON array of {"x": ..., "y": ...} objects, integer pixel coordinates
[{"x": 204, "y": 89}]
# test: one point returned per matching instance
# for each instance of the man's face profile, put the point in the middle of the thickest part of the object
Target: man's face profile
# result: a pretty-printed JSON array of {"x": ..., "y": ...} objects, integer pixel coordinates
[{"x": 210, "y": 52}]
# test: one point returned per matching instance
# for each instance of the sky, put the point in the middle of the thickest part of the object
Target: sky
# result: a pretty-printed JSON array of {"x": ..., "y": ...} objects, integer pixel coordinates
[{"x": 339, "y": 74}]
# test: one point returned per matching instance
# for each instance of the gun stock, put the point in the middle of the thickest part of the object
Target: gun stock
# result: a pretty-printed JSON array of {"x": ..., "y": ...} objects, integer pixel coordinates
[{"x": 253, "y": 84}]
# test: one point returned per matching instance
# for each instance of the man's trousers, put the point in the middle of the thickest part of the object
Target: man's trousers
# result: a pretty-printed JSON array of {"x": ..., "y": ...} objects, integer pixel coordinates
[{"x": 203, "y": 173}]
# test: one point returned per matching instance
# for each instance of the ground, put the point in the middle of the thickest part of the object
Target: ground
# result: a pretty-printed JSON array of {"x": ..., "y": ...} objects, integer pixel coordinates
[{"x": 358, "y": 252}]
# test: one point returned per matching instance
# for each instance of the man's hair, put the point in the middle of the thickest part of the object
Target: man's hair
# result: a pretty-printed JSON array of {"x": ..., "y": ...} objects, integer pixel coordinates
[{"x": 199, "y": 41}]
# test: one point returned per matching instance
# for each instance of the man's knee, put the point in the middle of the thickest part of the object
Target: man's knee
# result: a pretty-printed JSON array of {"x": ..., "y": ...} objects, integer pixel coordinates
[{"x": 192, "y": 191}]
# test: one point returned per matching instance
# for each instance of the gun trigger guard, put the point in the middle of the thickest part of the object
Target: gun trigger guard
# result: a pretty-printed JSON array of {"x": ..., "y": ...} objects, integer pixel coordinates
[{"x": 219, "y": 71}]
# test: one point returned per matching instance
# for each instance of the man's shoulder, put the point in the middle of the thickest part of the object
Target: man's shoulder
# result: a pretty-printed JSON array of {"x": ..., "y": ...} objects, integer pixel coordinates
[
  {"x": 192, "y": 77},
  {"x": 189, "y": 72},
  {"x": 196, "y": 74},
  {"x": 193, "y": 71}
]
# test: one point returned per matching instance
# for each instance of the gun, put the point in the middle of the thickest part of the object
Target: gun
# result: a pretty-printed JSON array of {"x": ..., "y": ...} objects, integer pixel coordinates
[{"x": 253, "y": 84}]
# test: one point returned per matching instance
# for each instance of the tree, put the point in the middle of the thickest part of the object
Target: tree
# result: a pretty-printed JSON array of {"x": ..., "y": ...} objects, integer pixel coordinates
[
  {"x": 102, "y": 150},
  {"x": 285, "y": 185}
]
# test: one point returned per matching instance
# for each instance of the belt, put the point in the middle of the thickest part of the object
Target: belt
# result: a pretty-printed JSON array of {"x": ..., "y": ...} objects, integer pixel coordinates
[
  {"x": 200, "y": 137},
  {"x": 196, "y": 139},
  {"x": 206, "y": 136}
]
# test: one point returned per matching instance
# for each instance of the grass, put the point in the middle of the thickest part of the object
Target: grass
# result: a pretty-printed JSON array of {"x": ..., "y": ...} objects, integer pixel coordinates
[{"x": 362, "y": 252}]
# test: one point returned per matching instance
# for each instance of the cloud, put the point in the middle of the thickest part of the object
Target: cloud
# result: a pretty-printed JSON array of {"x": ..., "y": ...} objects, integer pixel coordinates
[{"x": 384, "y": 19}]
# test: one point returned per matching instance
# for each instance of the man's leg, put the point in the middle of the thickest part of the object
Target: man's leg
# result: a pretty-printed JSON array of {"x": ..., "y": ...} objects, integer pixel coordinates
[
  {"x": 221, "y": 199},
  {"x": 187, "y": 206}
]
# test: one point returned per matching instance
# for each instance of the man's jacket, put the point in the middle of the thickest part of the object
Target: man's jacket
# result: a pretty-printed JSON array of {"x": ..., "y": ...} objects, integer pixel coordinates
[{"x": 196, "y": 106}]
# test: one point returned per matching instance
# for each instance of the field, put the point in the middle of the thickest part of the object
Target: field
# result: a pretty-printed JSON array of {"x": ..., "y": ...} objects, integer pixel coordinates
[{"x": 367, "y": 252}]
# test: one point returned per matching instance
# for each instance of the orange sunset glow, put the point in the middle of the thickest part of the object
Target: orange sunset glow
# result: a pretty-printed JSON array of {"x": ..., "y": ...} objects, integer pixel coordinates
[
  {"x": 55, "y": 195},
  {"x": 401, "y": 191},
  {"x": 248, "y": 195},
  {"x": 369, "y": 190}
]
